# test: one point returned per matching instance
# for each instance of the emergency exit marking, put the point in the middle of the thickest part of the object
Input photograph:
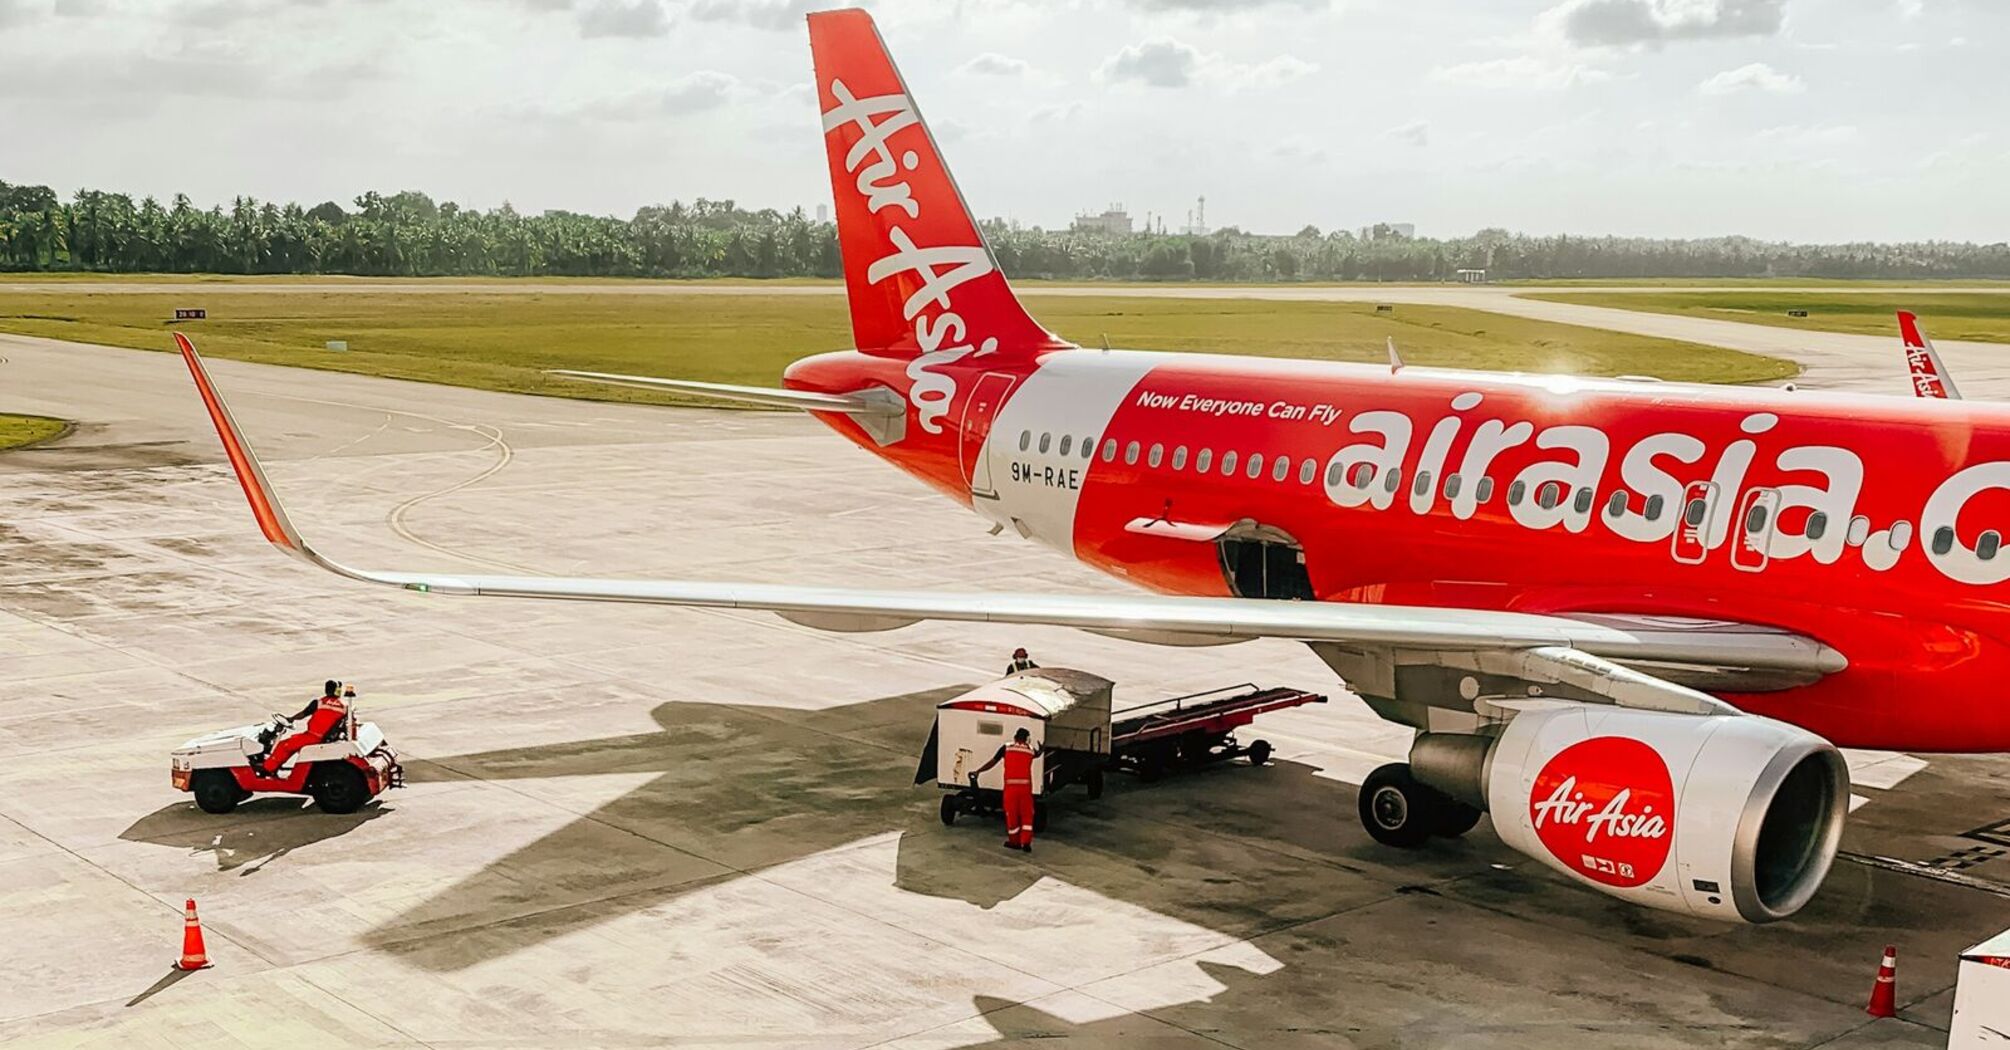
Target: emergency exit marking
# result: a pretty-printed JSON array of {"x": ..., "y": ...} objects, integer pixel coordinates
[{"x": 191, "y": 315}]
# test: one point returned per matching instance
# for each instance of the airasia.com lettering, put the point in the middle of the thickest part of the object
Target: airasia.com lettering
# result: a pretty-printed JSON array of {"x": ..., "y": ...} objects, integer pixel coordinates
[
  {"x": 1605, "y": 807},
  {"x": 938, "y": 330}
]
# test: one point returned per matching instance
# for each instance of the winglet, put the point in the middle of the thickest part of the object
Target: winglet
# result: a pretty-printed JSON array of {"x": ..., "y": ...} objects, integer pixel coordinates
[
  {"x": 1395, "y": 359},
  {"x": 1922, "y": 361},
  {"x": 257, "y": 491}
]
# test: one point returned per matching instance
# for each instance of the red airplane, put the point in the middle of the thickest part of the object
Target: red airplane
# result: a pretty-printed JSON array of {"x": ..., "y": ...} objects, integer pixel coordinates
[{"x": 1633, "y": 620}]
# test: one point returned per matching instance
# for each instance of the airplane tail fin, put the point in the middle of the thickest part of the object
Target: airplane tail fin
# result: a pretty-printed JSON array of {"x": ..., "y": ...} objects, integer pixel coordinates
[
  {"x": 918, "y": 273},
  {"x": 1929, "y": 376}
]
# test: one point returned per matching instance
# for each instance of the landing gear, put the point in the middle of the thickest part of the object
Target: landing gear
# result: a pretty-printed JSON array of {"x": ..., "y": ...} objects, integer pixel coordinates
[{"x": 1398, "y": 811}]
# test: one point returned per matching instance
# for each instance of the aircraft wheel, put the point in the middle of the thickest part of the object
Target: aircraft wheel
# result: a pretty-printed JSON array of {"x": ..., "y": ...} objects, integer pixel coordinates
[
  {"x": 949, "y": 809},
  {"x": 216, "y": 791},
  {"x": 1396, "y": 810},
  {"x": 1455, "y": 818},
  {"x": 339, "y": 788}
]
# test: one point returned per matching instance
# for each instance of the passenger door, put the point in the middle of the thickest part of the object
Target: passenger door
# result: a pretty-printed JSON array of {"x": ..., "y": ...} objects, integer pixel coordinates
[{"x": 978, "y": 413}]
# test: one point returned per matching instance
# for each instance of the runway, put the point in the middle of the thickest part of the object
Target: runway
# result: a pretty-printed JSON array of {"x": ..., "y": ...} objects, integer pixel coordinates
[{"x": 641, "y": 826}]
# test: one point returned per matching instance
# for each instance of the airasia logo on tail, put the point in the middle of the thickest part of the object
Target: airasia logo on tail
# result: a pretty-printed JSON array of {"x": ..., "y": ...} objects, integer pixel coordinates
[{"x": 1606, "y": 808}]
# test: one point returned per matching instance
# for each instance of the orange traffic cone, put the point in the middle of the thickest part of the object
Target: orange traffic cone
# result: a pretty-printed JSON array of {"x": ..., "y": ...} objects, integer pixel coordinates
[
  {"x": 193, "y": 957},
  {"x": 1885, "y": 991}
]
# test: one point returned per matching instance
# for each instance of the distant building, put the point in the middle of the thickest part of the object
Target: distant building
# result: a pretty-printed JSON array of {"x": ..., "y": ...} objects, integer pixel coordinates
[
  {"x": 1389, "y": 231},
  {"x": 1196, "y": 220},
  {"x": 1114, "y": 221},
  {"x": 1473, "y": 276},
  {"x": 823, "y": 213}
]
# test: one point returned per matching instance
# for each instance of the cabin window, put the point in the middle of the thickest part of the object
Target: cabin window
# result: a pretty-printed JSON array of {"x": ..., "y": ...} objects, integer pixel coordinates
[
  {"x": 1549, "y": 494},
  {"x": 1859, "y": 531},
  {"x": 1045, "y": 440},
  {"x": 1516, "y": 491},
  {"x": 1307, "y": 471},
  {"x": 1158, "y": 455},
  {"x": 1067, "y": 441},
  {"x": 1280, "y": 468},
  {"x": 1582, "y": 504},
  {"x": 1255, "y": 468},
  {"x": 1334, "y": 475},
  {"x": 1693, "y": 513},
  {"x": 1109, "y": 449},
  {"x": 1818, "y": 523},
  {"x": 1130, "y": 453},
  {"x": 1755, "y": 519},
  {"x": 1943, "y": 539},
  {"x": 1393, "y": 481},
  {"x": 1088, "y": 447},
  {"x": 1901, "y": 535},
  {"x": 1422, "y": 485},
  {"x": 1451, "y": 486},
  {"x": 1655, "y": 505},
  {"x": 1364, "y": 475},
  {"x": 1228, "y": 464},
  {"x": 1987, "y": 544},
  {"x": 1483, "y": 491},
  {"x": 1203, "y": 461},
  {"x": 1025, "y": 440},
  {"x": 1616, "y": 505},
  {"x": 1179, "y": 458}
]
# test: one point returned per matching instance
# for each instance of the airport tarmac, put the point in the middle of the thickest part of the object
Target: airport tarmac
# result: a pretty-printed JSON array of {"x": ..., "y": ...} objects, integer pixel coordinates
[{"x": 643, "y": 826}]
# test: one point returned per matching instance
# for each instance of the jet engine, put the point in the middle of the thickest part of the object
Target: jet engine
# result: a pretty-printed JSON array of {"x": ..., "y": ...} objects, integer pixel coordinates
[{"x": 1728, "y": 817}]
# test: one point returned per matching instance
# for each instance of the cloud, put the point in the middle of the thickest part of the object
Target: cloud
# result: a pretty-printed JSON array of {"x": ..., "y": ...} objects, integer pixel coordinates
[
  {"x": 993, "y": 64},
  {"x": 693, "y": 93},
  {"x": 1167, "y": 63},
  {"x": 624, "y": 18},
  {"x": 80, "y": 8},
  {"x": 1650, "y": 23},
  {"x": 1525, "y": 71},
  {"x": 1224, "y": 7},
  {"x": 1797, "y": 138},
  {"x": 1163, "y": 62},
  {"x": 13, "y": 12},
  {"x": 1415, "y": 133},
  {"x": 1059, "y": 113},
  {"x": 1755, "y": 77},
  {"x": 761, "y": 14}
]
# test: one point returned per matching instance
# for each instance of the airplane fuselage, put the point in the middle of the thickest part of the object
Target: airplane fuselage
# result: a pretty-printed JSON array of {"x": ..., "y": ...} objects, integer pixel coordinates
[{"x": 1870, "y": 524}]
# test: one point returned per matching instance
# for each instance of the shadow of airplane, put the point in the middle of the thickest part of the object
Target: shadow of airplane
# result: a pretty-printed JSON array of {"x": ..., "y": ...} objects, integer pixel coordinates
[
  {"x": 739, "y": 789},
  {"x": 258, "y": 832}
]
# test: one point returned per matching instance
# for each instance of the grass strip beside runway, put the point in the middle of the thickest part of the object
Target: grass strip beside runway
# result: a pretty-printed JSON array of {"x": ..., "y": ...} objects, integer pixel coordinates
[
  {"x": 1976, "y": 317},
  {"x": 504, "y": 341},
  {"x": 16, "y": 431}
]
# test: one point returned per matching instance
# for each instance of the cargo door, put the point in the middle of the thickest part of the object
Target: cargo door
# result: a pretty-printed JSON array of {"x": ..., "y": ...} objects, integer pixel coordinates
[{"x": 978, "y": 414}]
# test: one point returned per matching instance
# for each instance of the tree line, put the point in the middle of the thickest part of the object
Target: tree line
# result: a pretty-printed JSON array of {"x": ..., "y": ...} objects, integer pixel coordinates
[{"x": 408, "y": 234}]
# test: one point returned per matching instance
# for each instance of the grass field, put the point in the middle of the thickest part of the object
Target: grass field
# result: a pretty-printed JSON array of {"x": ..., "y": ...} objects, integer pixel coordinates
[
  {"x": 505, "y": 341},
  {"x": 16, "y": 431},
  {"x": 1981, "y": 317}
]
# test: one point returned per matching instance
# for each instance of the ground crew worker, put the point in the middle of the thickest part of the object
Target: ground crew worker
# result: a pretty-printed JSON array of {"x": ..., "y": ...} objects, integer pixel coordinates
[
  {"x": 1020, "y": 661},
  {"x": 1018, "y": 757},
  {"x": 320, "y": 716}
]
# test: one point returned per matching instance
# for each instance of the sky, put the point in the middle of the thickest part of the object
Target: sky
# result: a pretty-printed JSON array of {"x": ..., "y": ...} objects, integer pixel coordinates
[{"x": 1805, "y": 120}]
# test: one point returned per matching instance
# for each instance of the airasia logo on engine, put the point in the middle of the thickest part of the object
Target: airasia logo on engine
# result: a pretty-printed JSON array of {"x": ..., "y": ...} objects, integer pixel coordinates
[{"x": 1606, "y": 808}]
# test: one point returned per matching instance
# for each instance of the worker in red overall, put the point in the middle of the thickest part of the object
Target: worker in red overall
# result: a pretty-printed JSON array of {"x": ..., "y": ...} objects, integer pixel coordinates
[
  {"x": 1018, "y": 757},
  {"x": 321, "y": 716}
]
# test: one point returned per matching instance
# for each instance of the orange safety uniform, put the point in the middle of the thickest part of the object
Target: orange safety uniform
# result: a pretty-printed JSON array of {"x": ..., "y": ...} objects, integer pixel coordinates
[
  {"x": 1019, "y": 793},
  {"x": 328, "y": 712}
]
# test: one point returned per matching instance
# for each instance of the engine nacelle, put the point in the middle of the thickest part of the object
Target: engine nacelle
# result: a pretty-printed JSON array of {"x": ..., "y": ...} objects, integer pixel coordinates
[{"x": 1731, "y": 817}]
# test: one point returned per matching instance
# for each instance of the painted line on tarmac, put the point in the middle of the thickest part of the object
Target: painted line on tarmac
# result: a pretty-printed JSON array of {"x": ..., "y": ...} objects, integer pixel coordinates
[{"x": 1925, "y": 871}]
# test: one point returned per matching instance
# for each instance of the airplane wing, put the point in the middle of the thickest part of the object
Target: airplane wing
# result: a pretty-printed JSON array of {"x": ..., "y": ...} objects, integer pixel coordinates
[
  {"x": 1929, "y": 376},
  {"x": 1584, "y": 656}
]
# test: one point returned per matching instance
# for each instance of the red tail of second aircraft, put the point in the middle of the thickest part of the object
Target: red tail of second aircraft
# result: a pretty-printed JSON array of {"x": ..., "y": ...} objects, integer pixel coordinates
[{"x": 920, "y": 278}]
